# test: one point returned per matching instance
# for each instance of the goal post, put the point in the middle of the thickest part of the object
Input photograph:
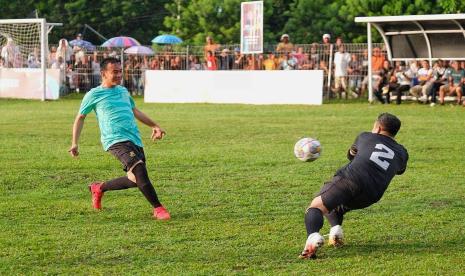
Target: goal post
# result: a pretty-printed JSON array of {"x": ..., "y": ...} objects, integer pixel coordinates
[{"x": 24, "y": 54}]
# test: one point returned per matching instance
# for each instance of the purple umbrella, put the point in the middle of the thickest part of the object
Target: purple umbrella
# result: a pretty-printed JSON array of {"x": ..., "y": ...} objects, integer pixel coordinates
[
  {"x": 121, "y": 42},
  {"x": 139, "y": 50},
  {"x": 82, "y": 44}
]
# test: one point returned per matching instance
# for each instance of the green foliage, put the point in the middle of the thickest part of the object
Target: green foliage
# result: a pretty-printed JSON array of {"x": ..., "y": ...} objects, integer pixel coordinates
[
  {"x": 236, "y": 193},
  {"x": 193, "y": 20}
]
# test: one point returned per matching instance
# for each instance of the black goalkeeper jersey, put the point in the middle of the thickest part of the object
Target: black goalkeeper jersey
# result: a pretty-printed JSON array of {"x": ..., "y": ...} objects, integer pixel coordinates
[{"x": 378, "y": 159}]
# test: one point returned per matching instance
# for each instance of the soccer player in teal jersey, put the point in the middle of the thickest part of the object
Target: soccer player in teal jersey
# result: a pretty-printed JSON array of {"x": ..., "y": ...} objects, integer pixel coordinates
[{"x": 116, "y": 113}]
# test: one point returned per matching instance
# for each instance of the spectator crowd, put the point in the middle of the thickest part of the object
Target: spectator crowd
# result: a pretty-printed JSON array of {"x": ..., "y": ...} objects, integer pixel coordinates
[{"x": 345, "y": 66}]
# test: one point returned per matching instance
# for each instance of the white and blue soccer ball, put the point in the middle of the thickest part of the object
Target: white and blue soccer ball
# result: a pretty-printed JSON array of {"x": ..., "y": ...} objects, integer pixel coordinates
[{"x": 307, "y": 149}]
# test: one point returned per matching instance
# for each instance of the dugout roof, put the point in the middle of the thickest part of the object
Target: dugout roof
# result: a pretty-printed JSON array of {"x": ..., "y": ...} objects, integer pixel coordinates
[{"x": 420, "y": 36}]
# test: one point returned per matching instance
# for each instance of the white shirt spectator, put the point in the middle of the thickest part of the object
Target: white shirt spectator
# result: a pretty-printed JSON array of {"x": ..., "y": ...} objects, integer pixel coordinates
[
  {"x": 341, "y": 64},
  {"x": 424, "y": 73}
]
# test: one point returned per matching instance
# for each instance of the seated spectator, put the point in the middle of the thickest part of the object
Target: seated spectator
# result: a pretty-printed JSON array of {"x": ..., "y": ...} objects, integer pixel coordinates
[
  {"x": 454, "y": 87},
  {"x": 387, "y": 82},
  {"x": 404, "y": 79},
  {"x": 425, "y": 82},
  {"x": 284, "y": 46},
  {"x": 440, "y": 78}
]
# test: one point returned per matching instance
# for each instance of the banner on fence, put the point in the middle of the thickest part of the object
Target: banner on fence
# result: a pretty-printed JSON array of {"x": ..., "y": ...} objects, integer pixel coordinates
[
  {"x": 244, "y": 87},
  {"x": 26, "y": 83},
  {"x": 252, "y": 27}
]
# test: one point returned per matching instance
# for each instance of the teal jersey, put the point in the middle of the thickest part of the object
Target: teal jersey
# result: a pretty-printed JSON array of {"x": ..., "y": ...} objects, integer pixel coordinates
[
  {"x": 457, "y": 76},
  {"x": 115, "y": 116}
]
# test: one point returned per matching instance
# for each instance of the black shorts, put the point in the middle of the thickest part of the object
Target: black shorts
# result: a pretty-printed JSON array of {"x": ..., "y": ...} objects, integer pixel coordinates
[
  {"x": 343, "y": 194},
  {"x": 127, "y": 153}
]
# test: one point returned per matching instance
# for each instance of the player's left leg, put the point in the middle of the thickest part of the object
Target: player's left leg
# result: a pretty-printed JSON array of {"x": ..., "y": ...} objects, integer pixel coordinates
[
  {"x": 138, "y": 174},
  {"x": 333, "y": 194}
]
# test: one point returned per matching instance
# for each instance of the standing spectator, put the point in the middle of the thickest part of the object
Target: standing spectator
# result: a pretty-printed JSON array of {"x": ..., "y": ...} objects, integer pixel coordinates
[
  {"x": 238, "y": 59},
  {"x": 326, "y": 44},
  {"x": 341, "y": 65},
  {"x": 226, "y": 60},
  {"x": 339, "y": 42},
  {"x": 210, "y": 46},
  {"x": 194, "y": 63},
  {"x": 285, "y": 46},
  {"x": 377, "y": 60},
  {"x": 314, "y": 56},
  {"x": 355, "y": 74},
  {"x": 64, "y": 50},
  {"x": 9, "y": 52},
  {"x": 270, "y": 62},
  {"x": 288, "y": 62},
  {"x": 95, "y": 70},
  {"x": 33, "y": 59},
  {"x": 455, "y": 85},
  {"x": 211, "y": 61},
  {"x": 52, "y": 56}
]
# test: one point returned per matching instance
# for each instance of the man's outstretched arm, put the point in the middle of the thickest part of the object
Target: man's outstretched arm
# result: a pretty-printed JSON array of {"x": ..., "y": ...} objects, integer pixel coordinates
[
  {"x": 157, "y": 131},
  {"x": 77, "y": 128}
]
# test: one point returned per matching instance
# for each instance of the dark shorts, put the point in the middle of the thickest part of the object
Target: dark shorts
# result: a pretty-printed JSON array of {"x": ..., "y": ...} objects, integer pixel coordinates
[
  {"x": 341, "y": 193},
  {"x": 127, "y": 153}
]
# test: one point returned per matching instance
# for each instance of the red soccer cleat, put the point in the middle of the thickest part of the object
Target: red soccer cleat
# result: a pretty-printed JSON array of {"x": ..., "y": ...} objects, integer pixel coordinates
[
  {"x": 161, "y": 213},
  {"x": 97, "y": 194}
]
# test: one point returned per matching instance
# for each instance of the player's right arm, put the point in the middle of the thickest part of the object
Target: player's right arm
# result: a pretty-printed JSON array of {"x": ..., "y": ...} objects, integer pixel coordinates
[
  {"x": 77, "y": 128},
  {"x": 87, "y": 105}
]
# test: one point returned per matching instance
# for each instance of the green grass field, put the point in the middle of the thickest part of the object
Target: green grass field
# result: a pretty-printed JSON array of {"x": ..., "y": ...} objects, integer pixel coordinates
[{"x": 235, "y": 191}]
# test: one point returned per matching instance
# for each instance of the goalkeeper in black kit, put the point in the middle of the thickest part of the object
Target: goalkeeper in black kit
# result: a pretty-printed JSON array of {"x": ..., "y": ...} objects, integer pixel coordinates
[{"x": 375, "y": 158}]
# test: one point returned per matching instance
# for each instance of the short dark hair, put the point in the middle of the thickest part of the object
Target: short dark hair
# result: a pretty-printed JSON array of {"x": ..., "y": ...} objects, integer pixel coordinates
[
  {"x": 106, "y": 61},
  {"x": 389, "y": 123}
]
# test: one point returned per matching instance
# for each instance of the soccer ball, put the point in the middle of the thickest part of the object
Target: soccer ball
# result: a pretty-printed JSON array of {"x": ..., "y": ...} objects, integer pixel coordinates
[{"x": 307, "y": 149}]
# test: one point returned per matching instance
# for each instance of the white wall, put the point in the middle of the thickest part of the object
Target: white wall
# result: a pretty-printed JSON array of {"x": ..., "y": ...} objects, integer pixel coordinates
[{"x": 246, "y": 87}]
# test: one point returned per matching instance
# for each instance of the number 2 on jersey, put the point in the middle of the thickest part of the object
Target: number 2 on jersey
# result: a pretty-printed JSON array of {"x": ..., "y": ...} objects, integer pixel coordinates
[{"x": 386, "y": 153}]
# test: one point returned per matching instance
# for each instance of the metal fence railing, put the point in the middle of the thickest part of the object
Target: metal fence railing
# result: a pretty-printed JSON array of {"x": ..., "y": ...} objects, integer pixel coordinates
[{"x": 81, "y": 70}]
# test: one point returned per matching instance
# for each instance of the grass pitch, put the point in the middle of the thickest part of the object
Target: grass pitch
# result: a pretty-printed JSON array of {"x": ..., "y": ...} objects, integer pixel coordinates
[{"x": 235, "y": 191}]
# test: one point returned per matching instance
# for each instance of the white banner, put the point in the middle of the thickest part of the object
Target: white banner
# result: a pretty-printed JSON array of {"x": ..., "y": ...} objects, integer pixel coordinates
[
  {"x": 244, "y": 87},
  {"x": 26, "y": 83},
  {"x": 252, "y": 27}
]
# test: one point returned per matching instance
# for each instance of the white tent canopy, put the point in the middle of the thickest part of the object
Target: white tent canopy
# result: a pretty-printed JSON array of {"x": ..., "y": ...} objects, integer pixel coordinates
[{"x": 418, "y": 37}]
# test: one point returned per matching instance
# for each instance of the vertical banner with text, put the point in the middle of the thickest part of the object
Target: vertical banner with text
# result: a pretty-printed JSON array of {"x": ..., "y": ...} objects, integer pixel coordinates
[{"x": 252, "y": 27}]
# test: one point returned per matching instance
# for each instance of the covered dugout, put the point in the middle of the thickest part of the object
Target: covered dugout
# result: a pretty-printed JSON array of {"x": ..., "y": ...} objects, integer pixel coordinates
[{"x": 435, "y": 36}]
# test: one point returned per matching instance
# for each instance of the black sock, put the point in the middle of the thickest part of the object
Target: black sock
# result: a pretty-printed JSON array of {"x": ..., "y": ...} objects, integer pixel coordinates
[
  {"x": 335, "y": 217},
  {"x": 313, "y": 220},
  {"x": 143, "y": 182},
  {"x": 119, "y": 183}
]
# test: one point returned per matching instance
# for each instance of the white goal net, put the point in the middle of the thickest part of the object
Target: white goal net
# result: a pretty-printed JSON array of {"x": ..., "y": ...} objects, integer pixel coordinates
[
  {"x": 20, "y": 44},
  {"x": 23, "y": 60}
]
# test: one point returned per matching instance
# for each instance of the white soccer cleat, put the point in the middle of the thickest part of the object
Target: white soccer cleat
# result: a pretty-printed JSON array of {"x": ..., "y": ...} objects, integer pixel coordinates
[
  {"x": 336, "y": 236},
  {"x": 314, "y": 241}
]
